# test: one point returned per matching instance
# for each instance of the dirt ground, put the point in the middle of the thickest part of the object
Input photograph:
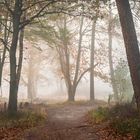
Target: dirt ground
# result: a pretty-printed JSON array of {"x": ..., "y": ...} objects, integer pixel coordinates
[{"x": 65, "y": 122}]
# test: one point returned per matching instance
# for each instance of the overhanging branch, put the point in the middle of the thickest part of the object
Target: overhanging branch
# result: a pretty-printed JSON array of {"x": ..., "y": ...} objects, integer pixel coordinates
[
  {"x": 38, "y": 14},
  {"x": 85, "y": 73}
]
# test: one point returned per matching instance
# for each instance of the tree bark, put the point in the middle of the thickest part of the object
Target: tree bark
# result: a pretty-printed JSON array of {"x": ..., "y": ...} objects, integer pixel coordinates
[
  {"x": 131, "y": 45},
  {"x": 71, "y": 93},
  {"x": 12, "y": 106}
]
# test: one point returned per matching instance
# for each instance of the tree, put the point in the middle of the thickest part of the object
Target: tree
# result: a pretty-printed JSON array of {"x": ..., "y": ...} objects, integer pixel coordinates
[
  {"x": 110, "y": 36},
  {"x": 5, "y": 31},
  {"x": 33, "y": 72},
  {"x": 71, "y": 53},
  {"x": 12, "y": 106},
  {"x": 72, "y": 79},
  {"x": 96, "y": 13},
  {"x": 131, "y": 45},
  {"x": 18, "y": 9},
  {"x": 92, "y": 59}
]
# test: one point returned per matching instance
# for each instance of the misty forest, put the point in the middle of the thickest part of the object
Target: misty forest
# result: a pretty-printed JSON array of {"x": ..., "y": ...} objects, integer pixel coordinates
[{"x": 69, "y": 70}]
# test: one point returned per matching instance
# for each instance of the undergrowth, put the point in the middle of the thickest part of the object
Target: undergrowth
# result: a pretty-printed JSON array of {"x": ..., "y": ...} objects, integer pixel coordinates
[
  {"x": 25, "y": 119},
  {"x": 123, "y": 119}
]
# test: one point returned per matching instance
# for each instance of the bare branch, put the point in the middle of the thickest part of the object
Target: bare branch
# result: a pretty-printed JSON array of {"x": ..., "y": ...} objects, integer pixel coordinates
[
  {"x": 35, "y": 3},
  {"x": 38, "y": 14},
  {"x": 85, "y": 73},
  {"x": 6, "y": 27},
  {"x": 4, "y": 43},
  {"x": 8, "y": 7},
  {"x": 6, "y": 80}
]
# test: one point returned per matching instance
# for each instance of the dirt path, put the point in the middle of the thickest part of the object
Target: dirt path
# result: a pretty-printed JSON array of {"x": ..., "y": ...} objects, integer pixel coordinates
[{"x": 65, "y": 122}]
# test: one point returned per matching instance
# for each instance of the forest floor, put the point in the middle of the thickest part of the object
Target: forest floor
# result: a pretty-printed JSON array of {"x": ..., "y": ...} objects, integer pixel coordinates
[{"x": 65, "y": 122}]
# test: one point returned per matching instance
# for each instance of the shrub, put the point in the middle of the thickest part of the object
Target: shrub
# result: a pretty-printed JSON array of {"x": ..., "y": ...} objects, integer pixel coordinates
[
  {"x": 123, "y": 119},
  {"x": 99, "y": 115},
  {"x": 123, "y": 111},
  {"x": 129, "y": 126},
  {"x": 22, "y": 119}
]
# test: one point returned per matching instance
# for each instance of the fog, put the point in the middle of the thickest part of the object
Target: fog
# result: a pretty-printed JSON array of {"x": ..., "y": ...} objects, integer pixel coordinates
[
  {"x": 54, "y": 90},
  {"x": 42, "y": 68},
  {"x": 69, "y": 69},
  {"x": 57, "y": 51}
]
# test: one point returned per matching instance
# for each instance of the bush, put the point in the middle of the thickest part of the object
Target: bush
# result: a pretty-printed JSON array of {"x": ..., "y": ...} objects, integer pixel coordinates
[
  {"x": 99, "y": 115},
  {"x": 129, "y": 126},
  {"x": 123, "y": 111},
  {"x": 22, "y": 119},
  {"x": 123, "y": 119}
]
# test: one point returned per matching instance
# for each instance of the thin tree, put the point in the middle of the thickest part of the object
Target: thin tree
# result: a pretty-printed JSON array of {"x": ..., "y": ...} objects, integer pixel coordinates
[
  {"x": 110, "y": 57},
  {"x": 92, "y": 96},
  {"x": 4, "y": 40},
  {"x": 33, "y": 72}
]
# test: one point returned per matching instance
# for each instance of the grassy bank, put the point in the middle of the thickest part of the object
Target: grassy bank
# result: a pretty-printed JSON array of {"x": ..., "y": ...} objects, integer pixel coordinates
[
  {"x": 12, "y": 127},
  {"x": 121, "y": 122}
]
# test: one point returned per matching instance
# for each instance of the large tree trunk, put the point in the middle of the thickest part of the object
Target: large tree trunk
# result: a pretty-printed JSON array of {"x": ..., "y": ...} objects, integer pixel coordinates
[
  {"x": 12, "y": 106},
  {"x": 131, "y": 44},
  {"x": 110, "y": 29},
  {"x": 92, "y": 96}
]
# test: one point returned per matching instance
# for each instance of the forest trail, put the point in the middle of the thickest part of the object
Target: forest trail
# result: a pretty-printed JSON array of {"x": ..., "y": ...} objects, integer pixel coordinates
[{"x": 65, "y": 122}]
